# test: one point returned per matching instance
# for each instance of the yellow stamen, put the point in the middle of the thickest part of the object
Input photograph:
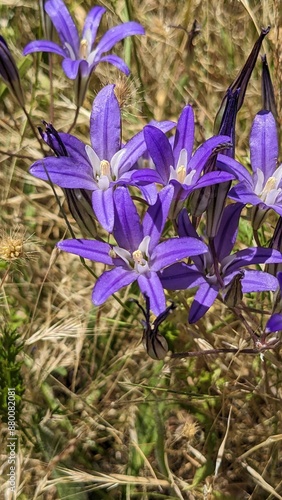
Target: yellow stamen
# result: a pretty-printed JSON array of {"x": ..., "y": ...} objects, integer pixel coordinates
[
  {"x": 270, "y": 184},
  {"x": 138, "y": 257},
  {"x": 83, "y": 49},
  {"x": 105, "y": 168},
  {"x": 181, "y": 173}
]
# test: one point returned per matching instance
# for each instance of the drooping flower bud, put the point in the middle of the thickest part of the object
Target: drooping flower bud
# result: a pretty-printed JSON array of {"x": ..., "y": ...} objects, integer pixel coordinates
[
  {"x": 79, "y": 200},
  {"x": 9, "y": 72}
]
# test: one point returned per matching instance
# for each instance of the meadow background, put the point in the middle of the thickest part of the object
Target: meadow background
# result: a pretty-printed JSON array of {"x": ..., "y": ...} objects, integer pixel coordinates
[{"x": 97, "y": 418}]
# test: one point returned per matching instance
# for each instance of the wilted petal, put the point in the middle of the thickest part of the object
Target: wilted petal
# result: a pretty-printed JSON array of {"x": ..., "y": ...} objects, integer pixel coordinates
[
  {"x": 105, "y": 124},
  {"x": 110, "y": 282},
  {"x": 264, "y": 143},
  {"x": 203, "y": 300},
  {"x": 186, "y": 228},
  {"x": 98, "y": 251},
  {"x": 241, "y": 81}
]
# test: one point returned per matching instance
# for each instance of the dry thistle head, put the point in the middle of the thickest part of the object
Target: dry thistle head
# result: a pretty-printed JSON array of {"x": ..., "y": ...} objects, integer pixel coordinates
[
  {"x": 13, "y": 245},
  {"x": 186, "y": 427}
]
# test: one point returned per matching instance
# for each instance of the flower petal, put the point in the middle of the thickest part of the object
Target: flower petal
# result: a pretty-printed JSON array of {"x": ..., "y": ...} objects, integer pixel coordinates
[
  {"x": 156, "y": 216},
  {"x": 170, "y": 251},
  {"x": 204, "y": 299},
  {"x": 184, "y": 135},
  {"x": 65, "y": 172},
  {"x": 127, "y": 229},
  {"x": 250, "y": 256},
  {"x": 98, "y": 251},
  {"x": 179, "y": 276},
  {"x": 91, "y": 25},
  {"x": 63, "y": 22},
  {"x": 245, "y": 194},
  {"x": 116, "y": 61},
  {"x": 74, "y": 67},
  {"x": 160, "y": 151},
  {"x": 234, "y": 167},
  {"x": 43, "y": 46},
  {"x": 212, "y": 178},
  {"x": 146, "y": 175},
  {"x": 264, "y": 143},
  {"x": 151, "y": 286},
  {"x": 203, "y": 153},
  {"x": 110, "y": 282},
  {"x": 117, "y": 33},
  {"x": 258, "y": 281},
  {"x": 103, "y": 206},
  {"x": 105, "y": 124},
  {"x": 74, "y": 147},
  {"x": 226, "y": 236},
  {"x": 274, "y": 324}
]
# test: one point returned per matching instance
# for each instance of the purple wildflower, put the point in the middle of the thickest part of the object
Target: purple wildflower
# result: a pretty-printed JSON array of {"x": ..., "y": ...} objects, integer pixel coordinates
[
  {"x": 262, "y": 189},
  {"x": 138, "y": 255},
  {"x": 80, "y": 58},
  {"x": 175, "y": 164},
  {"x": 215, "y": 270},
  {"x": 103, "y": 166}
]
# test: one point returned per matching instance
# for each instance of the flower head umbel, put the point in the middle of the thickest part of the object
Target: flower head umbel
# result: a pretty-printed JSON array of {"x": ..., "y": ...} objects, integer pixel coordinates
[
  {"x": 262, "y": 189},
  {"x": 104, "y": 165},
  {"x": 138, "y": 255},
  {"x": 81, "y": 56},
  {"x": 214, "y": 271}
]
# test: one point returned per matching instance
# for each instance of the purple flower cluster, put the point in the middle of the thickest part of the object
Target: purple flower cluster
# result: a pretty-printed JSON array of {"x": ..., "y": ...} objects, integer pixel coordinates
[
  {"x": 146, "y": 249},
  {"x": 158, "y": 211}
]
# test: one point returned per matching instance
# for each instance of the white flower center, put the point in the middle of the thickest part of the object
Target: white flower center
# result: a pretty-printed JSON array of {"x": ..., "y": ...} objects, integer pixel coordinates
[{"x": 138, "y": 259}]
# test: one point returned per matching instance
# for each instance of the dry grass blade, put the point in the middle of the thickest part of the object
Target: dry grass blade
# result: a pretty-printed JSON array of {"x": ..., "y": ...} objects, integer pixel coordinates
[
  {"x": 260, "y": 481},
  {"x": 222, "y": 446}
]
